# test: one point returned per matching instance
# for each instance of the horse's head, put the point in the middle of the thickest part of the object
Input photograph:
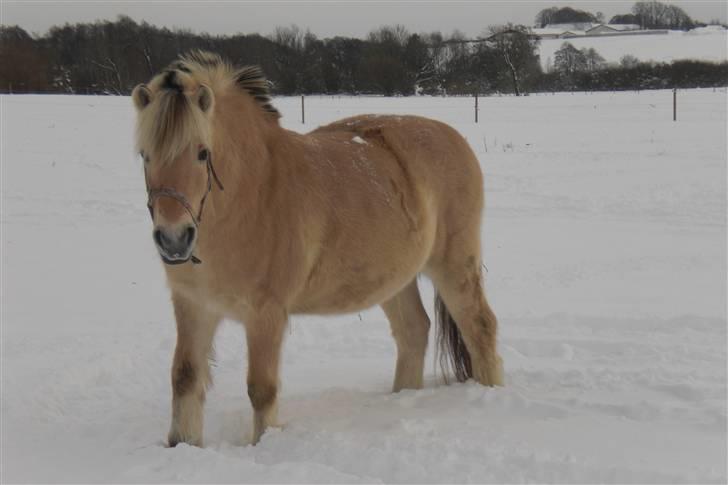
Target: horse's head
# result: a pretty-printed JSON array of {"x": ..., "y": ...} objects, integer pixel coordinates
[
  {"x": 176, "y": 114},
  {"x": 174, "y": 139}
]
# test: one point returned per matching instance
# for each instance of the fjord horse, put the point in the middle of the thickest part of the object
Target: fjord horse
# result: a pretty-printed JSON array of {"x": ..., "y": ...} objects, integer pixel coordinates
[{"x": 256, "y": 223}]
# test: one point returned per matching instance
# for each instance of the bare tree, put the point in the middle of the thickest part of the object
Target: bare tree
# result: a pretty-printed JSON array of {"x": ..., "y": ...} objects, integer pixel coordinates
[
  {"x": 656, "y": 15},
  {"x": 517, "y": 49},
  {"x": 629, "y": 61},
  {"x": 593, "y": 60},
  {"x": 569, "y": 60}
]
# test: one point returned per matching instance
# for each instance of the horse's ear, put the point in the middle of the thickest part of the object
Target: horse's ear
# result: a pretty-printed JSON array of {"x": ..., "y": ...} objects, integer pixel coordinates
[
  {"x": 141, "y": 96},
  {"x": 204, "y": 98}
]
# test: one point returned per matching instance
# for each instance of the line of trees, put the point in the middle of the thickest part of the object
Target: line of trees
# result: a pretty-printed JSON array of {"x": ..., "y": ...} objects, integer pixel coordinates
[
  {"x": 566, "y": 15},
  {"x": 112, "y": 57},
  {"x": 586, "y": 70},
  {"x": 650, "y": 14},
  {"x": 639, "y": 76},
  {"x": 656, "y": 15}
]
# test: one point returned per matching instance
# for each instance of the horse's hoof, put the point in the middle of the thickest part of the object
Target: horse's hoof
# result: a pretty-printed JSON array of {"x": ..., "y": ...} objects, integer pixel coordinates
[
  {"x": 496, "y": 374},
  {"x": 173, "y": 441},
  {"x": 492, "y": 374}
]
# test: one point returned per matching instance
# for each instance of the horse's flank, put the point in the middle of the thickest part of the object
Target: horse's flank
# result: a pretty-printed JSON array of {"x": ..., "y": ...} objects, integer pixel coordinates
[{"x": 336, "y": 220}]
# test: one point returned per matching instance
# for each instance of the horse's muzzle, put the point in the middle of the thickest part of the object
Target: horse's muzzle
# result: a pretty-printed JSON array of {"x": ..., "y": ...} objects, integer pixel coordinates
[{"x": 175, "y": 247}]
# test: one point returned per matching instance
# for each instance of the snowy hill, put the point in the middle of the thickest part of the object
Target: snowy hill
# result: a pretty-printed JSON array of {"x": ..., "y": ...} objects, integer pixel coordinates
[
  {"x": 604, "y": 239},
  {"x": 707, "y": 44}
]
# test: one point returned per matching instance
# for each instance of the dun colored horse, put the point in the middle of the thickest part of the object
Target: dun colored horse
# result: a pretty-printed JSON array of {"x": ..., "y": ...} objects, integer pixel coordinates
[{"x": 256, "y": 223}]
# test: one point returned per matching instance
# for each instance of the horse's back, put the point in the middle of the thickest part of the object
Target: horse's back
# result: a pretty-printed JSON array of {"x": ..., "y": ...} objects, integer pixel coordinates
[
  {"x": 428, "y": 148},
  {"x": 436, "y": 158}
]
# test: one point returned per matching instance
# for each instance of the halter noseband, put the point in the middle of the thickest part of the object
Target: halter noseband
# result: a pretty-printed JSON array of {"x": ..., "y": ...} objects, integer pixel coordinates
[{"x": 153, "y": 194}]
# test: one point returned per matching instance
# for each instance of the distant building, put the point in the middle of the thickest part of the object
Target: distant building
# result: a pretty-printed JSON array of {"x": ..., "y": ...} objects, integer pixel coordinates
[
  {"x": 601, "y": 29},
  {"x": 575, "y": 27},
  {"x": 588, "y": 29},
  {"x": 625, "y": 27},
  {"x": 549, "y": 33}
]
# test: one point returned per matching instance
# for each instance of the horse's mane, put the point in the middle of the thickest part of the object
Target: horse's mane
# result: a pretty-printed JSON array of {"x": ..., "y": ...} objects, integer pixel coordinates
[
  {"x": 172, "y": 121},
  {"x": 210, "y": 66}
]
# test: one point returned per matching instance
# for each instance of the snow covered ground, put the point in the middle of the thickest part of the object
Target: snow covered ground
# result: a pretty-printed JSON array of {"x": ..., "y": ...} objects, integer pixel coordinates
[
  {"x": 605, "y": 243},
  {"x": 706, "y": 44}
]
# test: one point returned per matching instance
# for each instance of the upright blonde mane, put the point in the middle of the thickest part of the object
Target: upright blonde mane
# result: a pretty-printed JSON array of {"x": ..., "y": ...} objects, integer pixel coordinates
[{"x": 176, "y": 107}]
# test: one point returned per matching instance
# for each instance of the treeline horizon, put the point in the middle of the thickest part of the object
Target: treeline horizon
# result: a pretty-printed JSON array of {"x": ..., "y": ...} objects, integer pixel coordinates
[
  {"x": 648, "y": 14},
  {"x": 111, "y": 57}
]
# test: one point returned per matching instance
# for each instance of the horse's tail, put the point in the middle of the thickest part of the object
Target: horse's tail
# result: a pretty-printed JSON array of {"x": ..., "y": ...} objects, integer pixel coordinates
[{"x": 451, "y": 350}]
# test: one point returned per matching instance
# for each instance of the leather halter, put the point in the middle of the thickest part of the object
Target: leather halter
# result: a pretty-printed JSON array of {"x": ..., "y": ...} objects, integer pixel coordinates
[{"x": 153, "y": 194}]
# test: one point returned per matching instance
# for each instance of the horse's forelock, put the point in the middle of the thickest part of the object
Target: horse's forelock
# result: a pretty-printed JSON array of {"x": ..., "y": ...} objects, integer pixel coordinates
[{"x": 170, "y": 124}]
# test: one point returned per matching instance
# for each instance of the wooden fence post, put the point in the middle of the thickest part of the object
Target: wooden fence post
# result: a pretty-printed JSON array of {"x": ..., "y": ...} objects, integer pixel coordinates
[
  {"x": 674, "y": 104},
  {"x": 476, "y": 107},
  {"x": 303, "y": 113}
]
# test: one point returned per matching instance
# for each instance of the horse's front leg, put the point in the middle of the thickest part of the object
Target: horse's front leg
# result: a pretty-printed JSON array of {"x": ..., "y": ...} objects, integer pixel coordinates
[
  {"x": 264, "y": 332},
  {"x": 190, "y": 369}
]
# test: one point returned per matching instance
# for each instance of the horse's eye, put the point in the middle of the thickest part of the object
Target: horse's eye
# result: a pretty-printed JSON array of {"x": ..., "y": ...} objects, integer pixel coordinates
[{"x": 203, "y": 155}]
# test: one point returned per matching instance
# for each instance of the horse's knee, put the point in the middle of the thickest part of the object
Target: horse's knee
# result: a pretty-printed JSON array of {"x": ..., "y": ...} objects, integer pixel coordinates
[{"x": 262, "y": 396}]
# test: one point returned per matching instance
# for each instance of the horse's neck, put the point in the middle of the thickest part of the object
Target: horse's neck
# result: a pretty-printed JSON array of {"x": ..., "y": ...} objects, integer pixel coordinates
[{"x": 244, "y": 169}]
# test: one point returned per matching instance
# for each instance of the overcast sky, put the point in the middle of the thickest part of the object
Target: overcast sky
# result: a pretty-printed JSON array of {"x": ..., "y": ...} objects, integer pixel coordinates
[{"x": 324, "y": 18}]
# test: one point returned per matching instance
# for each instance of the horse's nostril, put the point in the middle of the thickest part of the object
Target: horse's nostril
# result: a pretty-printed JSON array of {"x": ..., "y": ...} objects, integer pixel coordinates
[
  {"x": 164, "y": 241},
  {"x": 190, "y": 235},
  {"x": 158, "y": 238}
]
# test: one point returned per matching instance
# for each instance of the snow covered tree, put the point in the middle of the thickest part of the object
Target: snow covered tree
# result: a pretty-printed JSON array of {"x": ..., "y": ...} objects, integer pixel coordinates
[
  {"x": 569, "y": 60},
  {"x": 62, "y": 80},
  {"x": 517, "y": 51},
  {"x": 656, "y": 15},
  {"x": 626, "y": 19},
  {"x": 629, "y": 61},
  {"x": 592, "y": 59},
  {"x": 566, "y": 15},
  {"x": 420, "y": 65},
  {"x": 545, "y": 17}
]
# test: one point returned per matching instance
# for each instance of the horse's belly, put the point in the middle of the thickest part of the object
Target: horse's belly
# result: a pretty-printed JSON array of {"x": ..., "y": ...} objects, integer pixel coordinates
[
  {"x": 359, "y": 282},
  {"x": 351, "y": 292}
]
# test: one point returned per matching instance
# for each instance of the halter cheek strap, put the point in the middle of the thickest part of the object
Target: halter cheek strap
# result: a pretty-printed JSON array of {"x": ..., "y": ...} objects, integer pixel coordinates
[{"x": 153, "y": 194}]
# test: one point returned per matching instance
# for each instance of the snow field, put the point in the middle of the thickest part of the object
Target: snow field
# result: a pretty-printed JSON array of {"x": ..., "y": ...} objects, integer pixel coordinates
[{"x": 604, "y": 237}]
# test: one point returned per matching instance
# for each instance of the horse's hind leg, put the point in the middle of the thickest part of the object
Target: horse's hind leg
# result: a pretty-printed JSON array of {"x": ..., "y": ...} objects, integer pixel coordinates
[
  {"x": 410, "y": 326},
  {"x": 190, "y": 370},
  {"x": 458, "y": 280}
]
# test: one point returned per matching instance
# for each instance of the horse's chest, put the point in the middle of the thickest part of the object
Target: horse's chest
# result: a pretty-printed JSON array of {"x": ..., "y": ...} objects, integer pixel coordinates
[{"x": 226, "y": 302}]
